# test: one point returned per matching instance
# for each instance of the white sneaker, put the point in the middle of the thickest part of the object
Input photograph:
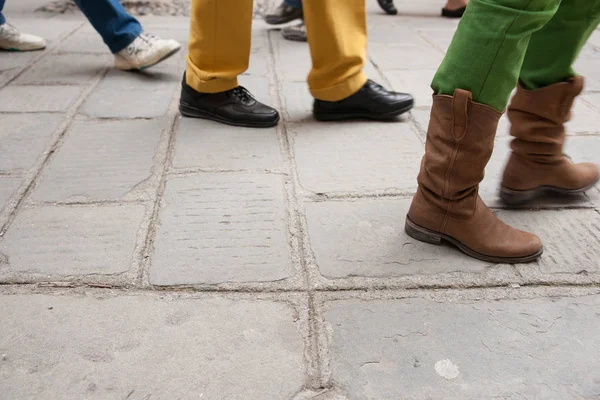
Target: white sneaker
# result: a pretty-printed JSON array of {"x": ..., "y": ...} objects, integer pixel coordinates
[
  {"x": 13, "y": 40},
  {"x": 145, "y": 51}
]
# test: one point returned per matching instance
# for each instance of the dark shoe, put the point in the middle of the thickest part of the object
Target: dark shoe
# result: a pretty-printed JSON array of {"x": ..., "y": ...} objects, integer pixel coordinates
[
  {"x": 296, "y": 33},
  {"x": 234, "y": 107},
  {"x": 283, "y": 14},
  {"x": 388, "y": 6},
  {"x": 458, "y": 13},
  {"x": 372, "y": 101}
]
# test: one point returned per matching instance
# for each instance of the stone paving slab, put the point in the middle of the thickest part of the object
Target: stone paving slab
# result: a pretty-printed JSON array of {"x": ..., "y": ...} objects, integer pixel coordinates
[
  {"x": 404, "y": 57},
  {"x": 8, "y": 186},
  {"x": 366, "y": 238},
  {"x": 64, "y": 347},
  {"x": 421, "y": 349},
  {"x": 38, "y": 98},
  {"x": 65, "y": 69},
  {"x": 123, "y": 94},
  {"x": 23, "y": 139},
  {"x": 101, "y": 161},
  {"x": 63, "y": 240},
  {"x": 84, "y": 43},
  {"x": 356, "y": 156},
  {"x": 207, "y": 144},
  {"x": 222, "y": 228}
]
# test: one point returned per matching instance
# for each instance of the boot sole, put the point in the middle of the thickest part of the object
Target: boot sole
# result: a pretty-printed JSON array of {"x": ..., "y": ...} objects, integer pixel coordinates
[
  {"x": 520, "y": 197},
  {"x": 428, "y": 236},
  {"x": 325, "y": 116},
  {"x": 193, "y": 112}
]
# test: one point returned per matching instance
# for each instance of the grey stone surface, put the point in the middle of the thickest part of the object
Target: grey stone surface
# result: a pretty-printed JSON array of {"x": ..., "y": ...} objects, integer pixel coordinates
[
  {"x": 419, "y": 349},
  {"x": 405, "y": 57},
  {"x": 72, "y": 240},
  {"x": 23, "y": 139},
  {"x": 366, "y": 238},
  {"x": 63, "y": 347},
  {"x": 68, "y": 69},
  {"x": 356, "y": 156},
  {"x": 123, "y": 94},
  {"x": 100, "y": 160},
  {"x": 570, "y": 238},
  {"x": 83, "y": 42},
  {"x": 207, "y": 144},
  {"x": 414, "y": 81},
  {"x": 8, "y": 186},
  {"x": 38, "y": 98},
  {"x": 218, "y": 228}
]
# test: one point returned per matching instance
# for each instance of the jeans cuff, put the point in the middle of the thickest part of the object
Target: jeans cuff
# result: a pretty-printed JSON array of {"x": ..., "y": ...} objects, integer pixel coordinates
[{"x": 125, "y": 40}]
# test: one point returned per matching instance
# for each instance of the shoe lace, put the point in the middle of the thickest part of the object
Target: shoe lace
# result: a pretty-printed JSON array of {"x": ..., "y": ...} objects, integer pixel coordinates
[
  {"x": 143, "y": 42},
  {"x": 242, "y": 94}
]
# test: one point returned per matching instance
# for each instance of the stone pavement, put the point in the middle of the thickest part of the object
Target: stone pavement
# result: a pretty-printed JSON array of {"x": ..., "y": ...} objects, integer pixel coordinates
[{"x": 145, "y": 256}]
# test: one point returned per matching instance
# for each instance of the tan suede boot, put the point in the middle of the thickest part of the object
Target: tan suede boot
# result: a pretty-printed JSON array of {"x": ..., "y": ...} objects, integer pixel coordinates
[
  {"x": 537, "y": 164},
  {"x": 447, "y": 206}
]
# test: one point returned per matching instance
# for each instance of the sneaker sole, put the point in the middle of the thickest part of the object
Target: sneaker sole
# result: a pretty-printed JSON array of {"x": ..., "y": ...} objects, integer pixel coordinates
[
  {"x": 520, "y": 197},
  {"x": 153, "y": 63},
  {"x": 320, "y": 116},
  {"x": 193, "y": 112},
  {"x": 428, "y": 236}
]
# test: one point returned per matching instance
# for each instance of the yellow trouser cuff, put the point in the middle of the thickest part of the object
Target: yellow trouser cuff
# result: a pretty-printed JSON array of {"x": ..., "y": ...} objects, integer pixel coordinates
[
  {"x": 342, "y": 90},
  {"x": 215, "y": 85}
]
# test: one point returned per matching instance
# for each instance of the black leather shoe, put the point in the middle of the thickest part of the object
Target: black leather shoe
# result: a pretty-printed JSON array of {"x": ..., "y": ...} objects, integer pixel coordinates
[
  {"x": 372, "y": 101},
  {"x": 234, "y": 107},
  {"x": 283, "y": 14},
  {"x": 388, "y": 6}
]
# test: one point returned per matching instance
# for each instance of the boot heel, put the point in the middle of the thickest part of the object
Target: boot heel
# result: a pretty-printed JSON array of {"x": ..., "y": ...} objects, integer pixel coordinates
[
  {"x": 421, "y": 234},
  {"x": 516, "y": 197}
]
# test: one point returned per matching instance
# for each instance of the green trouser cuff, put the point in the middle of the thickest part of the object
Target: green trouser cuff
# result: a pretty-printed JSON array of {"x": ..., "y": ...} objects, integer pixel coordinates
[{"x": 489, "y": 46}]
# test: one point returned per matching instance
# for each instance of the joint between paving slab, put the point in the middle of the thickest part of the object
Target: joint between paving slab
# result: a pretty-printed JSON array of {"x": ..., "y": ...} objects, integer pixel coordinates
[
  {"x": 297, "y": 226},
  {"x": 47, "y": 51},
  {"x": 141, "y": 258},
  {"x": 36, "y": 171}
]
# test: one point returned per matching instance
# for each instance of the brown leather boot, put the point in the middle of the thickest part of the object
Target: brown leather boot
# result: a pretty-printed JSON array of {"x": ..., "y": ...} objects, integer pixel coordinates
[
  {"x": 537, "y": 164},
  {"x": 447, "y": 206}
]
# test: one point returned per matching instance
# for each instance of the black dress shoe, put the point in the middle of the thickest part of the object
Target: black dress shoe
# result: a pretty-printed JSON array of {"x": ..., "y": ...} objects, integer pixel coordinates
[
  {"x": 388, "y": 6},
  {"x": 283, "y": 14},
  {"x": 458, "y": 13},
  {"x": 372, "y": 101},
  {"x": 234, "y": 107}
]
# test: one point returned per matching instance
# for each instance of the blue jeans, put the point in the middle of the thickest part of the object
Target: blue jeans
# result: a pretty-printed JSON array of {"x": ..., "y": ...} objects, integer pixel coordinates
[
  {"x": 117, "y": 28},
  {"x": 294, "y": 3}
]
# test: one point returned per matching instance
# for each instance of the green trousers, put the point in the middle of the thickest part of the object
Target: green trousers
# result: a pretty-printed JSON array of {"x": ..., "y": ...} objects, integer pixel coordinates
[{"x": 499, "y": 42}]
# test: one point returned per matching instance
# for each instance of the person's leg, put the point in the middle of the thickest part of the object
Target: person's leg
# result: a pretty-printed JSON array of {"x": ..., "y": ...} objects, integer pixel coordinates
[
  {"x": 488, "y": 48},
  {"x": 219, "y": 51},
  {"x": 542, "y": 105},
  {"x": 124, "y": 35},
  {"x": 117, "y": 28},
  {"x": 219, "y": 45},
  {"x": 294, "y": 3},
  {"x": 337, "y": 37},
  {"x": 2, "y": 19},
  {"x": 472, "y": 86}
]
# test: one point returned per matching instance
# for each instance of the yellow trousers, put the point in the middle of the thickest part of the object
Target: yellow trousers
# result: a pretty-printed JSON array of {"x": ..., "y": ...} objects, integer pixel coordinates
[{"x": 219, "y": 45}]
